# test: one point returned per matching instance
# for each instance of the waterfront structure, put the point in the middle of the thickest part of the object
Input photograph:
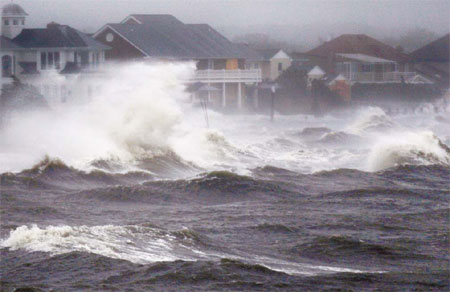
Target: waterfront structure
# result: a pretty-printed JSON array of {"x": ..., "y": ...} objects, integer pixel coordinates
[
  {"x": 58, "y": 52},
  {"x": 360, "y": 58},
  {"x": 433, "y": 61},
  {"x": 272, "y": 62},
  {"x": 220, "y": 63}
]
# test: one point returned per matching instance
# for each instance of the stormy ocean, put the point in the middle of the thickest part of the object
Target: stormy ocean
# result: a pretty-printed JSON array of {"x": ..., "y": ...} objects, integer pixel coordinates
[{"x": 130, "y": 191}]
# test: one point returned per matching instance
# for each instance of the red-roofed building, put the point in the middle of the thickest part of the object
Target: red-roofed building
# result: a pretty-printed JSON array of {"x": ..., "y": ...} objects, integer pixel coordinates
[{"x": 361, "y": 58}]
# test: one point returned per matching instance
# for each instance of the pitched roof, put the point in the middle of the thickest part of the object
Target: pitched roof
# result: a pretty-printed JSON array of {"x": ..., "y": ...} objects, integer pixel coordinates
[
  {"x": 436, "y": 51},
  {"x": 359, "y": 44},
  {"x": 267, "y": 54},
  {"x": 316, "y": 71},
  {"x": 57, "y": 36},
  {"x": 13, "y": 9},
  {"x": 364, "y": 58},
  {"x": 7, "y": 44},
  {"x": 165, "y": 36},
  {"x": 166, "y": 19}
]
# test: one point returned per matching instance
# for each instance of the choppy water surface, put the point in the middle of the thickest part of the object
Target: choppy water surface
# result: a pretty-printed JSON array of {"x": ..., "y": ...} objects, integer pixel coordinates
[{"x": 132, "y": 192}]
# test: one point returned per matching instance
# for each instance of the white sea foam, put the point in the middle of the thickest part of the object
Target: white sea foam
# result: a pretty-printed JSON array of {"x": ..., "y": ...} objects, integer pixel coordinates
[
  {"x": 133, "y": 243},
  {"x": 136, "y": 115},
  {"x": 408, "y": 148},
  {"x": 142, "y": 111}
]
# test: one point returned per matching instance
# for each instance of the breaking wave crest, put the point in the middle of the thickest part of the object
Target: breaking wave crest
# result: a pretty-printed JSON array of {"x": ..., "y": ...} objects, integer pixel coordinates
[
  {"x": 409, "y": 148},
  {"x": 371, "y": 119},
  {"x": 135, "y": 243},
  {"x": 135, "y": 118}
]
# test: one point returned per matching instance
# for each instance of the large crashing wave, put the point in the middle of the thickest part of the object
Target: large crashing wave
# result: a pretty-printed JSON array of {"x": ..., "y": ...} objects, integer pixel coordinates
[
  {"x": 134, "y": 117},
  {"x": 408, "y": 148},
  {"x": 371, "y": 119}
]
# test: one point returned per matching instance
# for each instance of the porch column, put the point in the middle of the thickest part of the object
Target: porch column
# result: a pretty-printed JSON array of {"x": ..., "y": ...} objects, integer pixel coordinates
[
  {"x": 209, "y": 93},
  {"x": 224, "y": 95},
  {"x": 239, "y": 95},
  {"x": 255, "y": 98}
]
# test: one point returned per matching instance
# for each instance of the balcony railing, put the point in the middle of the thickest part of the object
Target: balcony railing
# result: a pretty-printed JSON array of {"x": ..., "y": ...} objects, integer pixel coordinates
[
  {"x": 227, "y": 76},
  {"x": 387, "y": 77}
]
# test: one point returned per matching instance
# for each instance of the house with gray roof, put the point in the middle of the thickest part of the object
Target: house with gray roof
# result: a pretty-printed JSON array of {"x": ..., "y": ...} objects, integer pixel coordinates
[
  {"x": 28, "y": 54},
  {"x": 220, "y": 63},
  {"x": 272, "y": 62}
]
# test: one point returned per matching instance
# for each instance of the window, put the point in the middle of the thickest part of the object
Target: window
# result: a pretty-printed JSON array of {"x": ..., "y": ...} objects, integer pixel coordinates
[
  {"x": 43, "y": 61},
  {"x": 23, "y": 21},
  {"x": 109, "y": 37},
  {"x": 366, "y": 68},
  {"x": 7, "y": 66},
  {"x": 280, "y": 66},
  {"x": 50, "y": 60},
  {"x": 6, "y": 22},
  {"x": 15, "y": 22}
]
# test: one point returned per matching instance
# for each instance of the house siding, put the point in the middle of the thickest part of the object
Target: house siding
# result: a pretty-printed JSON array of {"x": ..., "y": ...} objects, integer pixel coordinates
[
  {"x": 274, "y": 72},
  {"x": 120, "y": 48}
]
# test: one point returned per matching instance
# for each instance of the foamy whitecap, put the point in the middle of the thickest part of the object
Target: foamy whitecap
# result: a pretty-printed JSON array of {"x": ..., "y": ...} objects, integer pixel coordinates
[
  {"x": 408, "y": 148},
  {"x": 133, "y": 243}
]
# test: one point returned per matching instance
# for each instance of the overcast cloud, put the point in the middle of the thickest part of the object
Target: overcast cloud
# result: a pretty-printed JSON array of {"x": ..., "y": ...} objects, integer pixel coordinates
[{"x": 283, "y": 18}]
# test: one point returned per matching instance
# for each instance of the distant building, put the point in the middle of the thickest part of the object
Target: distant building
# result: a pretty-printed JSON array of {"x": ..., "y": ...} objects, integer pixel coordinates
[
  {"x": 272, "y": 62},
  {"x": 360, "y": 58},
  {"x": 220, "y": 63},
  {"x": 433, "y": 61},
  {"x": 28, "y": 54}
]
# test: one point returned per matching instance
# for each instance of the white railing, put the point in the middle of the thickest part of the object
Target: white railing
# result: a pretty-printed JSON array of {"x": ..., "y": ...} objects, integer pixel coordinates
[
  {"x": 399, "y": 76},
  {"x": 224, "y": 76},
  {"x": 388, "y": 77}
]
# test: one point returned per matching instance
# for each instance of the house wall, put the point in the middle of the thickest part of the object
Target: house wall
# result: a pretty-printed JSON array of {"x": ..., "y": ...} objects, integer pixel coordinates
[
  {"x": 274, "y": 63},
  {"x": 221, "y": 64},
  {"x": 120, "y": 48},
  {"x": 265, "y": 70}
]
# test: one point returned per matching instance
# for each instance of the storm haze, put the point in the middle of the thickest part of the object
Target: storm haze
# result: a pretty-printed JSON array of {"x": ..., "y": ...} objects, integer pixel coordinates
[{"x": 302, "y": 23}]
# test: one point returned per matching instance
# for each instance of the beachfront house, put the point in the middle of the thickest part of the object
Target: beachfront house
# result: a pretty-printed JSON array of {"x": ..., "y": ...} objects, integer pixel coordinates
[
  {"x": 46, "y": 57},
  {"x": 360, "y": 58},
  {"x": 272, "y": 62},
  {"x": 220, "y": 63}
]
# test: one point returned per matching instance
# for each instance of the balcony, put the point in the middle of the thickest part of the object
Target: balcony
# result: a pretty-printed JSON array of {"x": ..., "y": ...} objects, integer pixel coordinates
[
  {"x": 227, "y": 76},
  {"x": 381, "y": 77}
]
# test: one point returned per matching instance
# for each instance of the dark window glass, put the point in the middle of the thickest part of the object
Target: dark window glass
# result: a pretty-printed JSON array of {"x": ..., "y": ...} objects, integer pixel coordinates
[
  {"x": 23, "y": 22},
  {"x": 57, "y": 65},
  {"x": 280, "y": 66},
  {"x": 84, "y": 59},
  {"x": 15, "y": 22},
  {"x": 366, "y": 68},
  {"x": 43, "y": 61},
  {"x": 50, "y": 60},
  {"x": 6, "y": 22}
]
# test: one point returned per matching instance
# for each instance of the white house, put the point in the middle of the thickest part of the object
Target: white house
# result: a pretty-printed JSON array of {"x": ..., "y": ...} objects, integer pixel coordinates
[
  {"x": 58, "y": 52},
  {"x": 272, "y": 63}
]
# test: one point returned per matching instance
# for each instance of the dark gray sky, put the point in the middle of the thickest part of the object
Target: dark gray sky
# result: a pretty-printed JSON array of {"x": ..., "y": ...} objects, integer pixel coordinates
[{"x": 288, "y": 18}]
